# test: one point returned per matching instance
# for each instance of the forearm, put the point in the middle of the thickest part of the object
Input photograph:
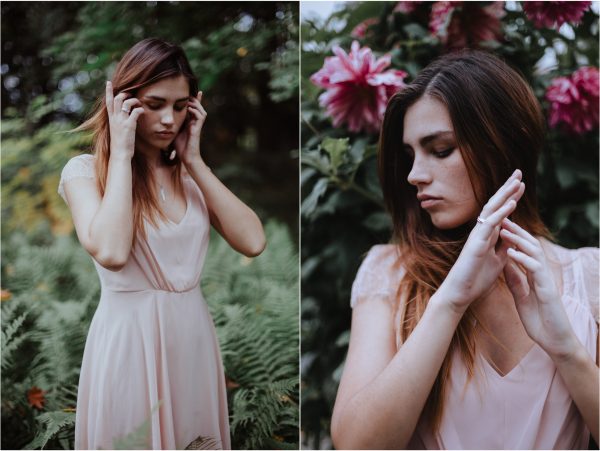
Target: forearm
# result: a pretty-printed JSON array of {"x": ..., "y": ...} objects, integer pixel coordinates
[
  {"x": 384, "y": 413},
  {"x": 236, "y": 222},
  {"x": 111, "y": 230},
  {"x": 581, "y": 376}
]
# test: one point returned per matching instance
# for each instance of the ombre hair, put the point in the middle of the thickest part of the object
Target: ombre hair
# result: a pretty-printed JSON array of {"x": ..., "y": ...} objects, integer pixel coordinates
[
  {"x": 145, "y": 63},
  {"x": 499, "y": 127}
]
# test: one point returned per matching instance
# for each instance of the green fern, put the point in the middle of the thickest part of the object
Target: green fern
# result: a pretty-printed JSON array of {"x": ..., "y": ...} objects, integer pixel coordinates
[
  {"x": 52, "y": 423},
  {"x": 55, "y": 290},
  {"x": 254, "y": 303}
]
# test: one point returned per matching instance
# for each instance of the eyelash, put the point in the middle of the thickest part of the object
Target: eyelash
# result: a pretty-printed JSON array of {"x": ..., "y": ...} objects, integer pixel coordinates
[
  {"x": 158, "y": 107},
  {"x": 444, "y": 153}
]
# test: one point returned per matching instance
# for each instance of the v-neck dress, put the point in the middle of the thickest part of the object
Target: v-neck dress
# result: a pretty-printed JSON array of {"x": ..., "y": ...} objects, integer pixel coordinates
[
  {"x": 151, "y": 368},
  {"x": 527, "y": 408}
]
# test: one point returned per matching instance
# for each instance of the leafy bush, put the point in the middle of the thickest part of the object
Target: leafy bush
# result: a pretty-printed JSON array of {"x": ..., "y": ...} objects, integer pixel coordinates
[
  {"x": 52, "y": 294},
  {"x": 342, "y": 212}
]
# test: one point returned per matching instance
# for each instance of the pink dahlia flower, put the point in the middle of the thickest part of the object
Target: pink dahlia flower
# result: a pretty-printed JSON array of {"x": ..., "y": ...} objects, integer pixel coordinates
[
  {"x": 360, "y": 31},
  {"x": 574, "y": 101},
  {"x": 406, "y": 7},
  {"x": 357, "y": 87},
  {"x": 466, "y": 24},
  {"x": 554, "y": 14}
]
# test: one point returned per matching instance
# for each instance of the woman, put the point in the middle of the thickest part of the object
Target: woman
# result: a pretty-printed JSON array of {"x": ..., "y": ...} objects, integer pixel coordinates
[
  {"x": 472, "y": 330},
  {"x": 142, "y": 205}
]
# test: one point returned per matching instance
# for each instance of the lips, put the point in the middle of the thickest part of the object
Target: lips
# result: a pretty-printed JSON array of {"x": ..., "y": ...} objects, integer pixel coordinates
[
  {"x": 428, "y": 201},
  {"x": 165, "y": 134}
]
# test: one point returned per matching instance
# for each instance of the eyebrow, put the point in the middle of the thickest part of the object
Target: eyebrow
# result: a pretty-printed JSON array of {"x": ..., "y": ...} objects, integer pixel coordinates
[
  {"x": 160, "y": 99},
  {"x": 427, "y": 139}
]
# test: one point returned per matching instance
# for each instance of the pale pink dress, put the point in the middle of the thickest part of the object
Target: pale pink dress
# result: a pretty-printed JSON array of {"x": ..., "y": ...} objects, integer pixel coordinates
[
  {"x": 152, "y": 340},
  {"x": 528, "y": 408}
]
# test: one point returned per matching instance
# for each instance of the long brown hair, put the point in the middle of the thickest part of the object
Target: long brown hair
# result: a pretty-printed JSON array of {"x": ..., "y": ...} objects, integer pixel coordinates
[
  {"x": 145, "y": 63},
  {"x": 499, "y": 127}
]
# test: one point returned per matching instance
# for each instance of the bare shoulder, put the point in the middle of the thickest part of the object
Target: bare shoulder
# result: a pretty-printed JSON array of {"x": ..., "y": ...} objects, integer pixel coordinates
[{"x": 379, "y": 275}]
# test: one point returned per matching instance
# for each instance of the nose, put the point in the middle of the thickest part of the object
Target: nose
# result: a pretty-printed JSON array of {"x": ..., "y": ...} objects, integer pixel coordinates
[
  {"x": 420, "y": 173},
  {"x": 167, "y": 117}
]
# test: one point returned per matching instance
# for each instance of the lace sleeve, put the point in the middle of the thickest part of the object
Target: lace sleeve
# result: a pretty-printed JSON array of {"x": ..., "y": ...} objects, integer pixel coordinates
[
  {"x": 378, "y": 276},
  {"x": 588, "y": 270},
  {"x": 78, "y": 166}
]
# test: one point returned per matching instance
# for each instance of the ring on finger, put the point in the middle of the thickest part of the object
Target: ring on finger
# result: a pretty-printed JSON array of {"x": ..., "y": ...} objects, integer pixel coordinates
[
  {"x": 125, "y": 110},
  {"x": 481, "y": 220}
]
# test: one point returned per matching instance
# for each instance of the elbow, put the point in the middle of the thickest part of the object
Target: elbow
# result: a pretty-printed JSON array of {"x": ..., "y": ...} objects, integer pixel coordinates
[
  {"x": 256, "y": 249},
  {"x": 110, "y": 261},
  {"x": 256, "y": 246}
]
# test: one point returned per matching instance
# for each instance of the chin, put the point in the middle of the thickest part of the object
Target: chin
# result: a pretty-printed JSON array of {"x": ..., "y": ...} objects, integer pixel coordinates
[{"x": 447, "y": 222}]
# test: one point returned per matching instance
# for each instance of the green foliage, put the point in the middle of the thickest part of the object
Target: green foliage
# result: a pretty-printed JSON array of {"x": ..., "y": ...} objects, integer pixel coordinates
[
  {"x": 245, "y": 55},
  {"x": 254, "y": 303},
  {"x": 54, "y": 290},
  {"x": 342, "y": 213}
]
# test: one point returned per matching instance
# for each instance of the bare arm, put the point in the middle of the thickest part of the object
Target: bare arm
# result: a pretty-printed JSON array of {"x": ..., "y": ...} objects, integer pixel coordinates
[
  {"x": 383, "y": 392},
  {"x": 581, "y": 376},
  {"x": 233, "y": 219},
  {"x": 104, "y": 225}
]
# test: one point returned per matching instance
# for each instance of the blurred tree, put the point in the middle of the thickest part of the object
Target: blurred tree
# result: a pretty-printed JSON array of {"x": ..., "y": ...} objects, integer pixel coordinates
[{"x": 242, "y": 53}]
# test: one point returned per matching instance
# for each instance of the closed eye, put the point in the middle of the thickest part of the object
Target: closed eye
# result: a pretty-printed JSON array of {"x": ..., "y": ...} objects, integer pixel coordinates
[{"x": 444, "y": 153}]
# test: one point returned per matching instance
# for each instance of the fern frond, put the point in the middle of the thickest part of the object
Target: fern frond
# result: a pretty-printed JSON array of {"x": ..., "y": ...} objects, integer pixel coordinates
[{"x": 52, "y": 423}]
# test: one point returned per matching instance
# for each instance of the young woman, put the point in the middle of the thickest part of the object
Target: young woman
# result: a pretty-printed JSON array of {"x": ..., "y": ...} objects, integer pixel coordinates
[
  {"x": 471, "y": 330},
  {"x": 142, "y": 204}
]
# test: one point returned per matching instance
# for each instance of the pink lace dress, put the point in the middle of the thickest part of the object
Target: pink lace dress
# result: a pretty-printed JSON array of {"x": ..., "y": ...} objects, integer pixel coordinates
[
  {"x": 528, "y": 408},
  {"x": 151, "y": 364}
]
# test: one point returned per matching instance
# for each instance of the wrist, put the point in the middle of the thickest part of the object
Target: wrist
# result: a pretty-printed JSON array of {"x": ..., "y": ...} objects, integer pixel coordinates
[
  {"x": 569, "y": 350},
  {"x": 444, "y": 301},
  {"x": 121, "y": 156},
  {"x": 195, "y": 163}
]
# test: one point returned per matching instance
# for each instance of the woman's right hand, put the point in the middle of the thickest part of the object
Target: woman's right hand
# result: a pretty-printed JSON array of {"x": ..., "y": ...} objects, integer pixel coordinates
[
  {"x": 122, "y": 123},
  {"x": 483, "y": 256}
]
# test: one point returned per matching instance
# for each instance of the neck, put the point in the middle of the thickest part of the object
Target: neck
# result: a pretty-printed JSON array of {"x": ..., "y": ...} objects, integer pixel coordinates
[{"x": 152, "y": 155}]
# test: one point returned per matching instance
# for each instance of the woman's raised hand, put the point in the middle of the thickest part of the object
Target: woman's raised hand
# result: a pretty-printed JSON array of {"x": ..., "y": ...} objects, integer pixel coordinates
[
  {"x": 187, "y": 141},
  {"x": 123, "y": 113},
  {"x": 483, "y": 256},
  {"x": 534, "y": 290}
]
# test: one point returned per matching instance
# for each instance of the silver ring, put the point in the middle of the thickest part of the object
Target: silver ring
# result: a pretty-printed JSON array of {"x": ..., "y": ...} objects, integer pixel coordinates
[
  {"x": 480, "y": 220},
  {"x": 125, "y": 110}
]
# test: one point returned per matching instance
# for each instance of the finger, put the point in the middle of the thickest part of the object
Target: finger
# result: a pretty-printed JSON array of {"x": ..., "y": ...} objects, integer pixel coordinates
[
  {"x": 118, "y": 102},
  {"x": 199, "y": 110},
  {"x": 195, "y": 103},
  {"x": 518, "y": 230},
  {"x": 136, "y": 113},
  {"x": 520, "y": 243},
  {"x": 496, "y": 218},
  {"x": 516, "y": 281},
  {"x": 517, "y": 196},
  {"x": 109, "y": 98},
  {"x": 532, "y": 266},
  {"x": 501, "y": 196},
  {"x": 196, "y": 113},
  {"x": 199, "y": 96},
  {"x": 130, "y": 103}
]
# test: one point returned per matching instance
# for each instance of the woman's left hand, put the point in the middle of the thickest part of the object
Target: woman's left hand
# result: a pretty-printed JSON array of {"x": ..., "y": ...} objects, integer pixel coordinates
[
  {"x": 187, "y": 141},
  {"x": 536, "y": 296}
]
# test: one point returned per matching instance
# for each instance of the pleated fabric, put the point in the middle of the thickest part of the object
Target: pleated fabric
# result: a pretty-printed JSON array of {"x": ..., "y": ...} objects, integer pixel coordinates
[{"x": 152, "y": 370}]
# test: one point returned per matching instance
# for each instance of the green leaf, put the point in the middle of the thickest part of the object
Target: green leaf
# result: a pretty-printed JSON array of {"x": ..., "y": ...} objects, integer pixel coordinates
[
  {"x": 310, "y": 202},
  {"x": 336, "y": 149}
]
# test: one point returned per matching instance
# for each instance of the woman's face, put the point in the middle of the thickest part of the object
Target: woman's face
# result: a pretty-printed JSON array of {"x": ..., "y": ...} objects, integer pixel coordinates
[
  {"x": 438, "y": 170},
  {"x": 165, "y": 109}
]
